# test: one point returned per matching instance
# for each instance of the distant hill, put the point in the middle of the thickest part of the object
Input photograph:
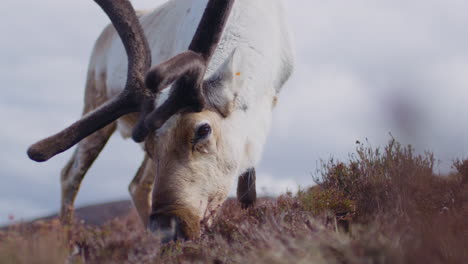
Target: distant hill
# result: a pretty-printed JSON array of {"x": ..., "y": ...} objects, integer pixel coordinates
[{"x": 98, "y": 214}]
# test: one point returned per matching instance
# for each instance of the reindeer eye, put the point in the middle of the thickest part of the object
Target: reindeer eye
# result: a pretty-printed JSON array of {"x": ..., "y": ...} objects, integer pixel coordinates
[{"x": 203, "y": 131}]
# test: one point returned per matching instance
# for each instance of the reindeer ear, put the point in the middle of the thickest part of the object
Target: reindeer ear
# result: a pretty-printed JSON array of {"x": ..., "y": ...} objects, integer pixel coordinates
[{"x": 222, "y": 87}]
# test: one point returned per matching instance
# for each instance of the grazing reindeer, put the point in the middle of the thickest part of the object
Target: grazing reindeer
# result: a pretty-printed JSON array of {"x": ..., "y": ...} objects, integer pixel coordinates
[{"x": 210, "y": 124}]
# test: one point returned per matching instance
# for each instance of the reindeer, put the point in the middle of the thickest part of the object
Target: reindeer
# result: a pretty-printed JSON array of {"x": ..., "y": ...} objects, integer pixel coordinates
[{"x": 198, "y": 99}]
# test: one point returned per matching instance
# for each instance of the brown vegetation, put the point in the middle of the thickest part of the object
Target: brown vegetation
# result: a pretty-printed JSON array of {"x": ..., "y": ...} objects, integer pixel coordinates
[{"x": 382, "y": 206}]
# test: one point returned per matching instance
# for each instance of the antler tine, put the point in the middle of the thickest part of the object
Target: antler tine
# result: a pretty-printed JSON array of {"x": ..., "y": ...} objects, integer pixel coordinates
[
  {"x": 123, "y": 17},
  {"x": 187, "y": 69},
  {"x": 211, "y": 28},
  {"x": 125, "y": 21}
]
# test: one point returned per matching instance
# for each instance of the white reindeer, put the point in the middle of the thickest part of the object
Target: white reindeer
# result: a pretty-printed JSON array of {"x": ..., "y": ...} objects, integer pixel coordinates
[{"x": 223, "y": 63}]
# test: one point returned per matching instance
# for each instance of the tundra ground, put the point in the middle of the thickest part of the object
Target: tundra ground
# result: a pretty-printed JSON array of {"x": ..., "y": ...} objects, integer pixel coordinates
[{"x": 381, "y": 206}]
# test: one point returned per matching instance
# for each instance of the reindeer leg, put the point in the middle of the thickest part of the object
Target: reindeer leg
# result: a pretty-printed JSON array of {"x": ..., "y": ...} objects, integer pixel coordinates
[
  {"x": 75, "y": 170},
  {"x": 141, "y": 188},
  {"x": 246, "y": 193},
  {"x": 87, "y": 150}
]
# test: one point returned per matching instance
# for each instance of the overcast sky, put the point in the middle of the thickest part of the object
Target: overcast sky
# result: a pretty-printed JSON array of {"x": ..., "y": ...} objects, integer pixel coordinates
[{"x": 364, "y": 69}]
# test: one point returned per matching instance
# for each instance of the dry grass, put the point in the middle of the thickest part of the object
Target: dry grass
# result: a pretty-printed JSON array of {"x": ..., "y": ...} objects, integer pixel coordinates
[{"x": 382, "y": 206}]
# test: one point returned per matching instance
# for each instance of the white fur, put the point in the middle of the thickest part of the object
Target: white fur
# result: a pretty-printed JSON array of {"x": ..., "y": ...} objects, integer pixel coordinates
[{"x": 257, "y": 30}]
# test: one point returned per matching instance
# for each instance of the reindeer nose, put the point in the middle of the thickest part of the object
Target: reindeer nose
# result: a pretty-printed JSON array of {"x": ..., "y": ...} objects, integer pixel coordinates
[{"x": 167, "y": 227}]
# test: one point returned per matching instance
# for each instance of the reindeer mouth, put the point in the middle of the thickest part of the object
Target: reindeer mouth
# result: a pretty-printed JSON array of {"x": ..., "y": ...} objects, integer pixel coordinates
[
  {"x": 177, "y": 224},
  {"x": 167, "y": 227}
]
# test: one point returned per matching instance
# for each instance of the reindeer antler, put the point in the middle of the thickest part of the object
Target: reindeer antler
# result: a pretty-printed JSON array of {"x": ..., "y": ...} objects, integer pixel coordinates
[
  {"x": 187, "y": 69},
  {"x": 125, "y": 21}
]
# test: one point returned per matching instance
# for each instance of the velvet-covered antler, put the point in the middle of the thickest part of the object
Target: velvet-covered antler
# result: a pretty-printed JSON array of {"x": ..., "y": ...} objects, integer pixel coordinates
[
  {"x": 186, "y": 69},
  {"x": 125, "y": 21}
]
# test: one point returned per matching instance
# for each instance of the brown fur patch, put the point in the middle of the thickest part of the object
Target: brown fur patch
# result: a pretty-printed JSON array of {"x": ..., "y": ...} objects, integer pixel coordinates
[
  {"x": 181, "y": 141},
  {"x": 189, "y": 223},
  {"x": 275, "y": 101}
]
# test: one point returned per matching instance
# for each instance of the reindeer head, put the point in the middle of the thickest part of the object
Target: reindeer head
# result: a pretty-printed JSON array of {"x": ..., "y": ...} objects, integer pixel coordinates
[
  {"x": 195, "y": 156},
  {"x": 183, "y": 136}
]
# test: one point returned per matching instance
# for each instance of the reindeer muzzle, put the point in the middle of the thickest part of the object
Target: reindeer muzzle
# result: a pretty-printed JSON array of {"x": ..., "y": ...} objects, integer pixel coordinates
[{"x": 167, "y": 227}]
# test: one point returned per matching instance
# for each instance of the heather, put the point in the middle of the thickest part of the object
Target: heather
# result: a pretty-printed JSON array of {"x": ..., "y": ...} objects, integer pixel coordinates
[{"x": 382, "y": 205}]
